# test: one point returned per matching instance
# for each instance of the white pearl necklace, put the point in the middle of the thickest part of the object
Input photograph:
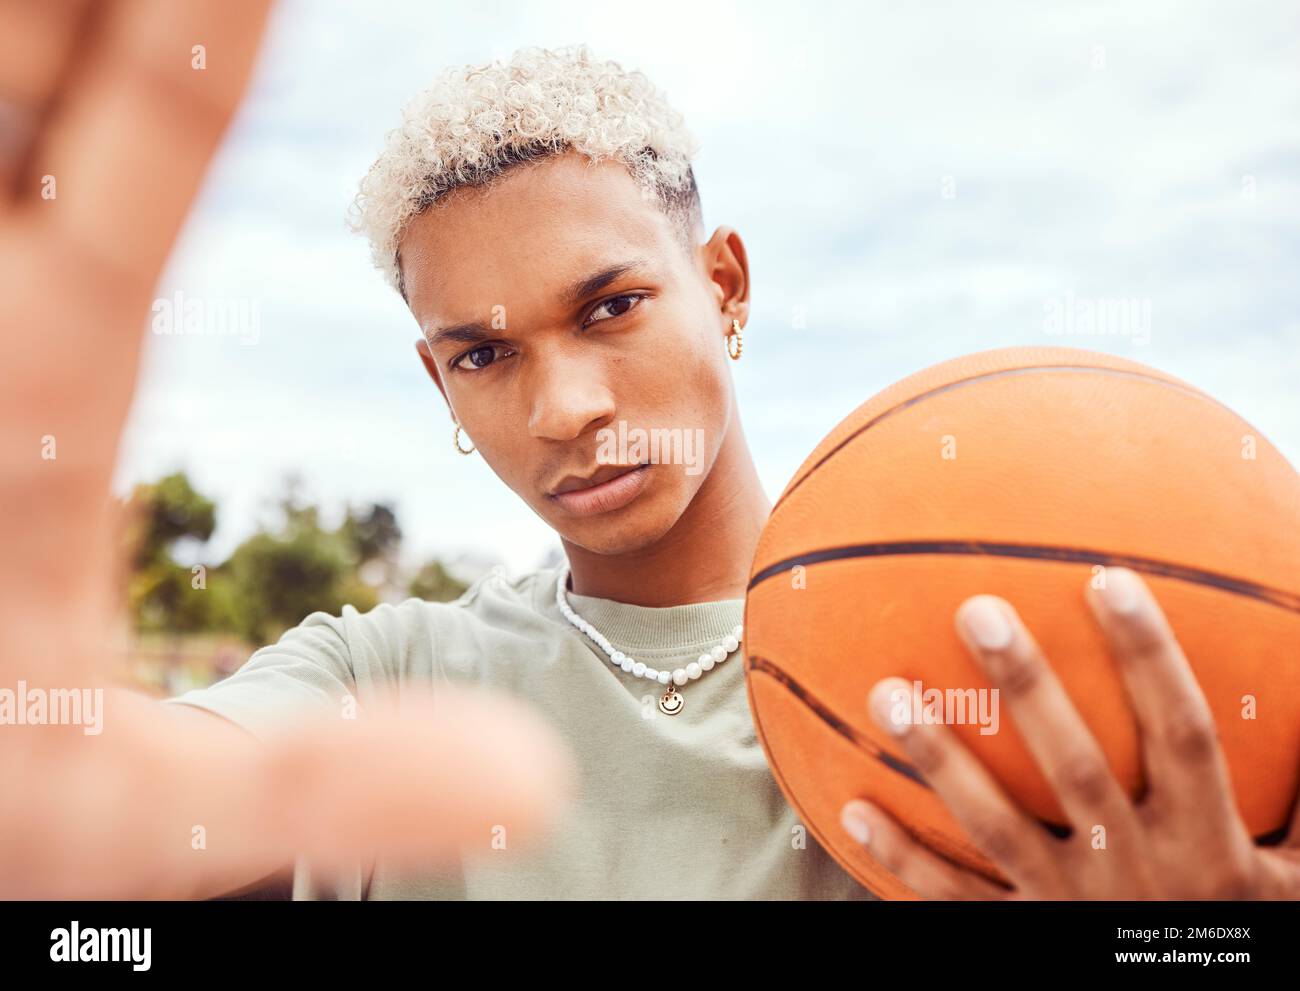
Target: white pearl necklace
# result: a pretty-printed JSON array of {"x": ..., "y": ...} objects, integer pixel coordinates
[{"x": 672, "y": 701}]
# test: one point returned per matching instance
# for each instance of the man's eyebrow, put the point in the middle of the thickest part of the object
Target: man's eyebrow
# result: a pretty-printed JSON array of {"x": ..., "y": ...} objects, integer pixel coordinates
[
  {"x": 476, "y": 331},
  {"x": 594, "y": 283}
]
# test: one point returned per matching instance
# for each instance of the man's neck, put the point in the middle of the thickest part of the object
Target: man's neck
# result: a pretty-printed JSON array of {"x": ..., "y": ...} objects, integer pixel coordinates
[{"x": 705, "y": 557}]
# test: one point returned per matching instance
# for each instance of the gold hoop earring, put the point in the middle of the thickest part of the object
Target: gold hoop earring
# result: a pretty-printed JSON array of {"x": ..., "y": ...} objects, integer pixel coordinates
[
  {"x": 455, "y": 439},
  {"x": 735, "y": 335}
]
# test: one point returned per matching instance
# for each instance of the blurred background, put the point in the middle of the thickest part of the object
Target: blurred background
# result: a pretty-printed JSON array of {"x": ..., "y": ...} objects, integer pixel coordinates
[{"x": 913, "y": 183}]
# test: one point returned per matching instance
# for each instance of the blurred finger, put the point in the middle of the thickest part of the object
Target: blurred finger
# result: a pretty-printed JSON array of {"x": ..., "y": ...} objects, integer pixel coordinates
[
  {"x": 920, "y": 868},
  {"x": 131, "y": 135},
  {"x": 129, "y": 131},
  {"x": 441, "y": 776},
  {"x": 37, "y": 38}
]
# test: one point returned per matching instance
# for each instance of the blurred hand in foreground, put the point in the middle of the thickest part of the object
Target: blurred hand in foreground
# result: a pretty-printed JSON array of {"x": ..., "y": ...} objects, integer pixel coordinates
[{"x": 107, "y": 124}]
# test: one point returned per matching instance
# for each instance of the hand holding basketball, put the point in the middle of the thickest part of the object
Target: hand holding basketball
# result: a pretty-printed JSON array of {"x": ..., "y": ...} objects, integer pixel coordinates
[
  {"x": 1184, "y": 839},
  {"x": 1020, "y": 476}
]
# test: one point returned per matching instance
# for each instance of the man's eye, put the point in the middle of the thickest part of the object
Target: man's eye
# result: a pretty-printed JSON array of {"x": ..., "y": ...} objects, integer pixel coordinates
[
  {"x": 480, "y": 357},
  {"x": 616, "y": 306}
]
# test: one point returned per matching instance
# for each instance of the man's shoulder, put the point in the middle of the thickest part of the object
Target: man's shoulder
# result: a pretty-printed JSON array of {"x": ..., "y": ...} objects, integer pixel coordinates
[{"x": 479, "y": 635}]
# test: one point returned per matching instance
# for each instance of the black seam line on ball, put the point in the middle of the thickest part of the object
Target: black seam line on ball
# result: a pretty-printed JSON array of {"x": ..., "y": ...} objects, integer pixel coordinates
[
  {"x": 1001, "y": 373},
  {"x": 863, "y": 743},
  {"x": 1039, "y": 552},
  {"x": 819, "y": 709},
  {"x": 823, "y": 713}
]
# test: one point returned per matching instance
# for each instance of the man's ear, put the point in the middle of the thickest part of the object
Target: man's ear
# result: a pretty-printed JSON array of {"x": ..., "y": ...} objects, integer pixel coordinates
[
  {"x": 726, "y": 266},
  {"x": 430, "y": 366}
]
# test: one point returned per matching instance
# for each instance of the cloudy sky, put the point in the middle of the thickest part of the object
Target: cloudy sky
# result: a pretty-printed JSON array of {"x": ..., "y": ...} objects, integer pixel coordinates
[{"x": 913, "y": 182}]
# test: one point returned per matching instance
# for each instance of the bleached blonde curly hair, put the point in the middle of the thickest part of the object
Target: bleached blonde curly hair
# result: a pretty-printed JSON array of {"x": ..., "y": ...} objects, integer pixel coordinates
[{"x": 475, "y": 122}]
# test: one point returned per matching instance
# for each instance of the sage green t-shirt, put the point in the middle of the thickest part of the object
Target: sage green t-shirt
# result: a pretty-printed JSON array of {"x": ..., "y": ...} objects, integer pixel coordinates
[{"x": 666, "y": 806}]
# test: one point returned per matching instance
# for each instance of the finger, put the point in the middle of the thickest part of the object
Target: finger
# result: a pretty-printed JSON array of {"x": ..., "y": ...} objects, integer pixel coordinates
[
  {"x": 135, "y": 125},
  {"x": 126, "y": 143},
  {"x": 1019, "y": 846},
  {"x": 36, "y": 43},
  {"x": 920, "y": 868},
  {"x": 152, "y": 804},
  {"x": 37, "y": 38},
  {"x": 1187, "y": 771},
  {"x": 1050, "y": 725}
]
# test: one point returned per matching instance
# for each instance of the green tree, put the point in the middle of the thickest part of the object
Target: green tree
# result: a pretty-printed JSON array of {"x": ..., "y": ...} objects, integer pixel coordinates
[
  {"x": 433, "y": 584},
  {"x": 281, "y": 578},
  {"x": 373, "y": 533},
  {"x": 291, "y": 567},
  {"x": 164, "y": 512},
  {"x": 169, "y": 597},
  {"x": 161, "y": 593}
]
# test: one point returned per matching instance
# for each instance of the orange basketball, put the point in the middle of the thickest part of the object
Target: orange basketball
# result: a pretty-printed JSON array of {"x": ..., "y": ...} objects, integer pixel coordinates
[{"x": 1019, "y": 472}]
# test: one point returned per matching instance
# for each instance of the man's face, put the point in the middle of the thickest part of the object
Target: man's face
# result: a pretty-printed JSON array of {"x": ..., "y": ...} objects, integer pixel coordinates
[{"x": 558, "y": 370}]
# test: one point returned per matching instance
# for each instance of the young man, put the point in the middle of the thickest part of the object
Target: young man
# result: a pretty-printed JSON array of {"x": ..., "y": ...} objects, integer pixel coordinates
[
  {"x": 563, "y": 290},
  {"x": 541, "y": 221}
]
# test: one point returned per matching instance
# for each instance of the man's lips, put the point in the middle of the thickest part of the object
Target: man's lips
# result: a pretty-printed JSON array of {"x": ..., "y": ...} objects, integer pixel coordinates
[
  {"x": 572, "y": 483},
  {"x": 604, "y": 492}
]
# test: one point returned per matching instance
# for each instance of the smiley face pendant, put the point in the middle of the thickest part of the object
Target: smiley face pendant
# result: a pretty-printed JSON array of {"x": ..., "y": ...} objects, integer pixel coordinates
[{"x": 671, "y": 702}]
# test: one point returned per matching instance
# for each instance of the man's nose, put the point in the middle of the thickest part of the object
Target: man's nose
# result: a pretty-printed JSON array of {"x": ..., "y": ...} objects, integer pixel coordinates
[{"x": 569, "y": 397}]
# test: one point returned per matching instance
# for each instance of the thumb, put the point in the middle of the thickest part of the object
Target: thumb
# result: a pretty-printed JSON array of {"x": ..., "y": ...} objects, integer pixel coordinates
[
  {"x": 422, "y": 779},
  {"x": 167, "y": 803}
]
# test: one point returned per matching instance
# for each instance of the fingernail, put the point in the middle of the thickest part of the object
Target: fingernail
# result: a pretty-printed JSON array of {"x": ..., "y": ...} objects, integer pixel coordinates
[
  {"x": 882, "y": 709},
  {"x": 1121, "y": 591},
  {"x": 851, "y": 817},
  {"x": 986, "y": 623}
]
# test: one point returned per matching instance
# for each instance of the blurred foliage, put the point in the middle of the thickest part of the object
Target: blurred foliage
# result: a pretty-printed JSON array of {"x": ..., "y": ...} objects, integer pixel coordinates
[
  {"x": 166, "y": 511},
  {"x": 374, "y": 534},
  {"x": 160, "y": 590},
  {"x": 275, "y": 578},
  {"x": 433, "y": 584},
  {"x": 280, "y": 578}
]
